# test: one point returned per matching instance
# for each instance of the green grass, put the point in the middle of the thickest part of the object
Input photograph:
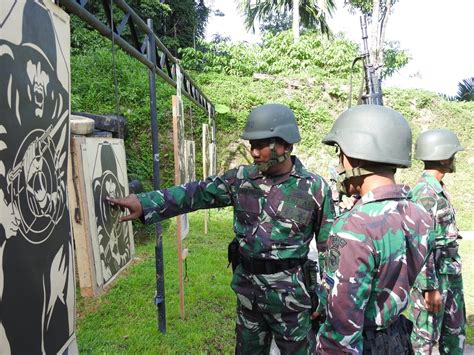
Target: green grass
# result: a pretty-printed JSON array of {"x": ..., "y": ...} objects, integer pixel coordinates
[
  {"x": 466, "y": 251},
  {"x": 124, "y": 319}
]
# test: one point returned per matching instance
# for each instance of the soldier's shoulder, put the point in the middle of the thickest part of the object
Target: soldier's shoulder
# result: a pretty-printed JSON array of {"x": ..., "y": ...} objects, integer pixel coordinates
[
  {"x": 241, "y": 172},
  {"x": 425, "y": 195},
  {"x": 314, "y": 178},
  {"x": 231, "y": 174},
  {"x": 423, "y": 189},
  {"x": 420, "y": 212},
  {"x": 347, "y": 226}
]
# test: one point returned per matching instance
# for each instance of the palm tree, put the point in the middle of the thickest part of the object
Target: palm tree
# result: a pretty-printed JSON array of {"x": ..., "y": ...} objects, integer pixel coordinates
[
  {"x": 309, "y": 13},
  {"x": 466, "y": 90}
]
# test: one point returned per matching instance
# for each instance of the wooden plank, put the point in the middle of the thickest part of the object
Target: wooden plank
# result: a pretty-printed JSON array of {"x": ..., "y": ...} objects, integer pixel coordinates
[
  {"x": 205, "y": 164},
  {"x": 185, "y": 253},
  {"x": 80, "y": 221},
  {"x": 177, "y": 180}
]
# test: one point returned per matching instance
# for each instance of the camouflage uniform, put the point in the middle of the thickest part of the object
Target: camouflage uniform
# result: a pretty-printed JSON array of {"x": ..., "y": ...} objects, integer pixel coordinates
[
  {"x": 375, "y": 252},
  {"x": 447, "y": 325},
  {"x": 275, "y": 218}
]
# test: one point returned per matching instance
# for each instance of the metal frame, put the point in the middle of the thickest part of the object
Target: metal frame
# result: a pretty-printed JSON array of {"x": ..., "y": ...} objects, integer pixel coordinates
[
  {"x": 147, "y": 51},
  {"x": 137, "y": 47}
]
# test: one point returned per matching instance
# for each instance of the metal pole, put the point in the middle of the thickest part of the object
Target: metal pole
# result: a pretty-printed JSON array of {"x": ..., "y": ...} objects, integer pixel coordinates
[
  {"x": 77, "y": 9},
  {"x": 160, "y": 281}
]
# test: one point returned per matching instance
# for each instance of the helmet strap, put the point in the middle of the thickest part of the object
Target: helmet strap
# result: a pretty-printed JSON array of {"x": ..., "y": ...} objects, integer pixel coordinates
[
  {"x": 451, "y": 166},
  {"x": 274, "y": 158},
  {"x": 344, "y": 175}
]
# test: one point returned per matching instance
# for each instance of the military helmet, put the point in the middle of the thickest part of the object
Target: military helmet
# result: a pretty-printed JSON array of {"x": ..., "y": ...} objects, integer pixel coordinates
[
  {"x": 270, "y": 121},
  {"x": 373, "y": 133},
  {"x": 437, "y": 144}
]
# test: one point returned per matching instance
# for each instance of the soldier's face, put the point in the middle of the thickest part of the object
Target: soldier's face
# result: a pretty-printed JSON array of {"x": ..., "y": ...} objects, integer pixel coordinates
[
  {"x": 349, "y": 164},
  {"x": 260, "y": 150},
  {"x": 449, "y": 165}
]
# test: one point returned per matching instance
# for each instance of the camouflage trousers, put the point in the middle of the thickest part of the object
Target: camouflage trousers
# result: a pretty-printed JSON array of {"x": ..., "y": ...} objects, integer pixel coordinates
[
  {"x": 273, "y": 306},
  {"x": 447, "y": 327}
]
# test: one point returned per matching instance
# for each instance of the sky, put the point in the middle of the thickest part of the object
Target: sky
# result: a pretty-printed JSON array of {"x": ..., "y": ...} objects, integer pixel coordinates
[{"x": 436, "y": 33}]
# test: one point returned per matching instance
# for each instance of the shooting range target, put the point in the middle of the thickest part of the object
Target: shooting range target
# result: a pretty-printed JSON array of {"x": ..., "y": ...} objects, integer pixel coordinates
[
  {"x": 36, "y": 188},
  {"x": 37, "y": 290},
  {"x": 112, "y": 239}
]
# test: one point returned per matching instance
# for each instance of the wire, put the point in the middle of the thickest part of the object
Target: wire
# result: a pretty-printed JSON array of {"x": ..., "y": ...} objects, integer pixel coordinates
[{"x": 112, "y": 28}]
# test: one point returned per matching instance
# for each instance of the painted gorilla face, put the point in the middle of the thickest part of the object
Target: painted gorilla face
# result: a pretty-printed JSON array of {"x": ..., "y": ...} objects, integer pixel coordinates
[{"x": 38, "y": 85}]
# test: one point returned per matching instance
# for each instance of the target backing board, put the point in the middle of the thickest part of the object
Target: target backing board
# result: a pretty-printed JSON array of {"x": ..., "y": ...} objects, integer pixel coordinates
[
  {"x": 37, "y": 291},
  {"x": 104, "y": 244},
  {"x": 190, "y": 153}
]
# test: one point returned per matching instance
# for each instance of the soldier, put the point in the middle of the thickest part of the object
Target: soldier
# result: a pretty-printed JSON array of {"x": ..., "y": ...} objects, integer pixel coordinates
[
  {"x": 376, "y": 249},
  {"x": 437, "y": 298},
  {"x": 278, "y": 208}
]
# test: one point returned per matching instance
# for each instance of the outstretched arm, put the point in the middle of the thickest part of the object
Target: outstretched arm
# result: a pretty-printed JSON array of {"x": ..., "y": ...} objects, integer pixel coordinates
[{"x": 158, "y": 205}]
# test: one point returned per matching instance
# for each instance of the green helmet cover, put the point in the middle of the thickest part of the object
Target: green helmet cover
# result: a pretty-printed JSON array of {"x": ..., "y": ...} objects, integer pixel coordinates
[
  {"x": 373, "y": 133},
  {"x": 437, "y": 144},
  {"x": 271, "y": 121}
]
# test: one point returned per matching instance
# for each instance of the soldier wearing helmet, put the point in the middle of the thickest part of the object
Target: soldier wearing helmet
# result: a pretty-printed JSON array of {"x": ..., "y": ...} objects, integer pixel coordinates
[
  {"x": 437, "y": 299},
  {"x": 375, "y": 250},
  {"x": 278, "y": 209}
]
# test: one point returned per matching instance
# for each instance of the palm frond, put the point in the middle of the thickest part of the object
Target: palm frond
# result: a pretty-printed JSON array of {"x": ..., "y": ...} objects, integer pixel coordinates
[{"x": 466, "y": 90}]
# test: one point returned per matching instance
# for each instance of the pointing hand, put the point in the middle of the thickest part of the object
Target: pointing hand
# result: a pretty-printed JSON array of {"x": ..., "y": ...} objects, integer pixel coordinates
[{"x": 130, "y": 202}]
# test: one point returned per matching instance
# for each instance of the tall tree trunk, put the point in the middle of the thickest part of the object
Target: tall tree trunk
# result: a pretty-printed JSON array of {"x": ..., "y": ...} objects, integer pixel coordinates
[
  {"x": 296, "y": 20},
  {"x": 374, "y": 33},
  {"x": 382, "y": 9}
]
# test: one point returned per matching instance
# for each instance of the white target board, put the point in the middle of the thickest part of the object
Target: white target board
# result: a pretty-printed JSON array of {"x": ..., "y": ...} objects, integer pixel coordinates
[
  {"x": 105, "y": 245},
  {"x": 37, "y": 293}
]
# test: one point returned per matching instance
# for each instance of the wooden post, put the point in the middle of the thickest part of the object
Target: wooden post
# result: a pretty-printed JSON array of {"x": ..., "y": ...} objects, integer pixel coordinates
[
  {"x": 205, "y": 164},
  {"x": 177, "y": 144}
]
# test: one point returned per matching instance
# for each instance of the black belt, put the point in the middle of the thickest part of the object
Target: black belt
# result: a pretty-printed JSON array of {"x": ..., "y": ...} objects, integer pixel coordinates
[
  {"x": 392, "y": 340},
  {"x": 259, "y": 266},
  {"x": 447, "y": 251}
]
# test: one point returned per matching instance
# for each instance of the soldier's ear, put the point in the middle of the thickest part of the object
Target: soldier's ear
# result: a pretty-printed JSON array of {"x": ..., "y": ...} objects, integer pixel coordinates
[{"x": 288, "y": 148}]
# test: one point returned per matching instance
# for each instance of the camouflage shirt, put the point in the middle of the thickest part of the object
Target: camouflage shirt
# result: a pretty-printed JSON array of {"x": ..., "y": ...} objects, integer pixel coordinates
[
  {"x": 375, "y": 251},
  {"x": 432, "y": 195},
  {"x": 274, "y": 217}
]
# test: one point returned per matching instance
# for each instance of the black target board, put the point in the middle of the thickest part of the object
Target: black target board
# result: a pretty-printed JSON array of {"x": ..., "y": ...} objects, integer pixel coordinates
[
  {"x": 104, "y": 244},
  {"x": 37, "y": 293}
]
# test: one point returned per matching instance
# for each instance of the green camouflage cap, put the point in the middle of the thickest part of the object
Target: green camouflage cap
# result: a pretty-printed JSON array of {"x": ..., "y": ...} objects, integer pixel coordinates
[
  {"x": 270, "y": 121},
  {"x": 373, "y": 133},
  {"x": 437, "y": 144}
]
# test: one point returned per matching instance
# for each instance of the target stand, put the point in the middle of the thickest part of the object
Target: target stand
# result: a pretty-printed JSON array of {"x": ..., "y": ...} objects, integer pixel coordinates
[{"x": 104, "y": 245}]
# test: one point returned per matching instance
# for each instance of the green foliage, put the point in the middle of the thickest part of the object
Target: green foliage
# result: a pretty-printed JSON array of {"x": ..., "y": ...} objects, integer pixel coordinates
[
  {"x": 184, "y": 24},
  {"x": 394, "y": 58},
  {"x": 275, "y": 22},
  {"x": 366, "y": 6},
  {"x": 84, "y": 38},
  {"x": 313, "y": 54},
  {"x": 178, "y": 24},
  {"x": 93, "y": 91}
]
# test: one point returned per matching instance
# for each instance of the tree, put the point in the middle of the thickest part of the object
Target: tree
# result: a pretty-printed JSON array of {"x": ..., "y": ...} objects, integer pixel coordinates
[
  {"x": 183, "y": 24},
  {"x": 178, "y": 23},
  {"x": 465, "y": 91},
  {"x": 308, "y": 13},
  {"x": 275, "y": 22},
  {"x": 378, "y": 13}
]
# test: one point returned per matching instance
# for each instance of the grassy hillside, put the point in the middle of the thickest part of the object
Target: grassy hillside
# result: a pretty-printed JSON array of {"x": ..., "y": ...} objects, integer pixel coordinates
[
  {"x": 318, "y": 105},
  {"x": 315, "y": 101}
]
